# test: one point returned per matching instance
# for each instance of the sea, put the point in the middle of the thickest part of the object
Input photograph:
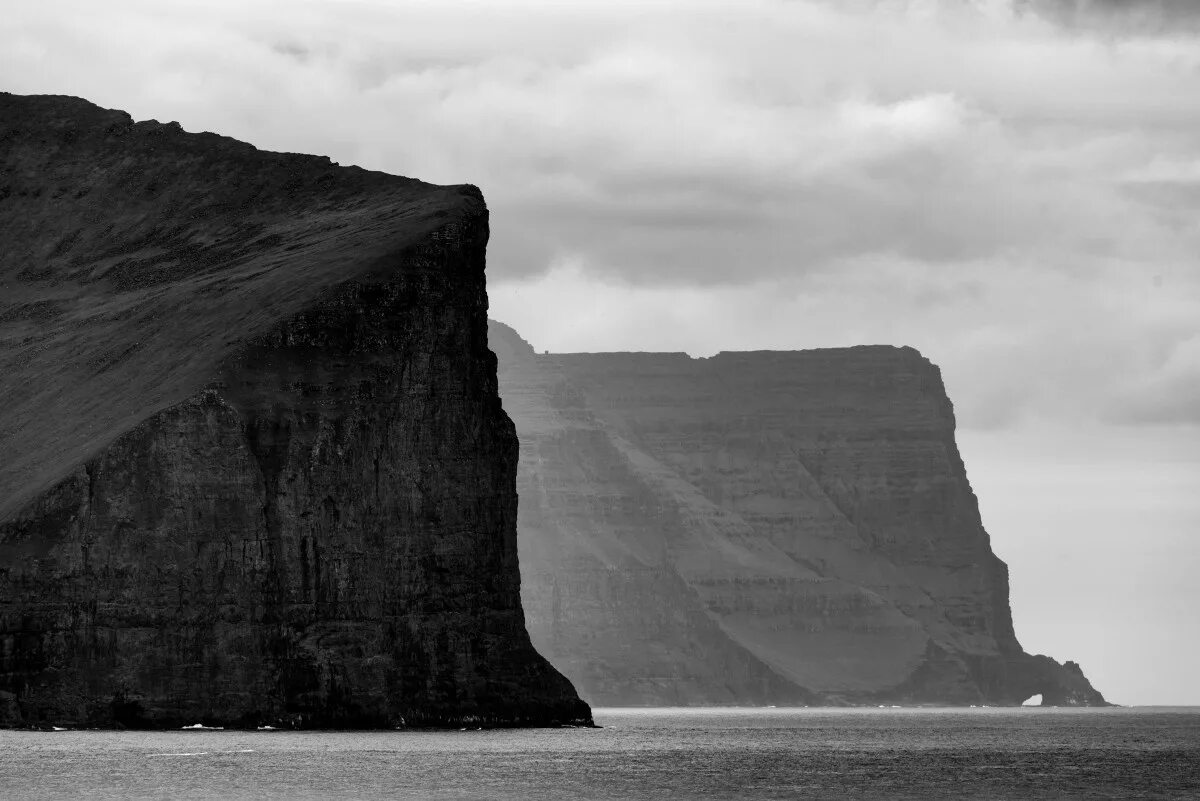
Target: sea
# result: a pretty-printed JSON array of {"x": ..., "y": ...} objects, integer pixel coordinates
[{"x": 811, "y": 753}]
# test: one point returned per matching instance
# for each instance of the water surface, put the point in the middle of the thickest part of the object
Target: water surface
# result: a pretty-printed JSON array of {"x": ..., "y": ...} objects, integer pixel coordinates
[{"x": 662, "y": 753}]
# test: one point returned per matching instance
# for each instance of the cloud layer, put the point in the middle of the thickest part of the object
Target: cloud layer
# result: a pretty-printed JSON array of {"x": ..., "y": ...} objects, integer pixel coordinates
[{"x": 1016, "y": 193}]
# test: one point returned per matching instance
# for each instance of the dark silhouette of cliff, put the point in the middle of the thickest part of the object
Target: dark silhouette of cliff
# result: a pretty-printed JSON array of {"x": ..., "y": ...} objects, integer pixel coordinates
[
  {"x": 255, "y": 469},
  {"x": 761, "y": 528}
]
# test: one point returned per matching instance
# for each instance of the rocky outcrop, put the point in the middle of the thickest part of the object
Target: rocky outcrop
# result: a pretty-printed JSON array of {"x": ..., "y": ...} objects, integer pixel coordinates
[
  {"x": 255, "y": 467},
  {"x": 762, "y": 528}
]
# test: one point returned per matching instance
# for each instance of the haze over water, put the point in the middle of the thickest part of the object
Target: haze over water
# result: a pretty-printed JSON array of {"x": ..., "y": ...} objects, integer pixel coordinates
[{"x": 695, "y": 753}]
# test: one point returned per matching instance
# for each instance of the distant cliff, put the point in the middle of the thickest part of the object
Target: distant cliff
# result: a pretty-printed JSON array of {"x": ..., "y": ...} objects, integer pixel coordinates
[
  {"x": 760, "y": 528},
  {"x": 255, "y": 469}
]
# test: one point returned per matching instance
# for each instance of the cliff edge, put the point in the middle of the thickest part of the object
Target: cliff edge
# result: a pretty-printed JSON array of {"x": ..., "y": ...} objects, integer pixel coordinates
[
  {"x": 759, "y": 528},
  {"x": 255, "y": 470}
]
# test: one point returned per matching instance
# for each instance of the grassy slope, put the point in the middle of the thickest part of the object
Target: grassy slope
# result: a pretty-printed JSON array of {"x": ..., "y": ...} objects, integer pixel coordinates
[{"x": 134, "y": 257}]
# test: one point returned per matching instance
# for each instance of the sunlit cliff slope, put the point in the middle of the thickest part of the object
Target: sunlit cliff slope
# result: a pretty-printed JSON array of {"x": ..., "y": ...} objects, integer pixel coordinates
[{"x": 761, "y": 528}]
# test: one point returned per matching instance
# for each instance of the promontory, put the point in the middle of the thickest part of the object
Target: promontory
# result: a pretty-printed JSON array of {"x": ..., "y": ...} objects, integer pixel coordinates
[{"x": 254, "y": 470}]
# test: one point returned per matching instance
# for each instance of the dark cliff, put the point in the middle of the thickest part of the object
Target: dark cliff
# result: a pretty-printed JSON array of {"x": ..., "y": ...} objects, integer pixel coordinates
[
  {"x": 255, "y": 469},
  {"x": 763, "y": 528}
]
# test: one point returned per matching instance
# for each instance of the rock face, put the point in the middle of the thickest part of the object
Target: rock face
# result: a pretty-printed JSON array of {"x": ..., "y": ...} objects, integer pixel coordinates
[
  {"x": 255, "y": 469},
  {"x": 761, "y": 528}
]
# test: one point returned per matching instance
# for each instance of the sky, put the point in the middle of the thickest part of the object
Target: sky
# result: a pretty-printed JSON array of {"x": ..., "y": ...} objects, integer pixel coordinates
[{"x": 1010, "y": 186}]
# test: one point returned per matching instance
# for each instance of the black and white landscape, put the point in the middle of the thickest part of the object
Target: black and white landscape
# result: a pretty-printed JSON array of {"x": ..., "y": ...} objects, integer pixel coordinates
[{"x": 771, "y": 399}]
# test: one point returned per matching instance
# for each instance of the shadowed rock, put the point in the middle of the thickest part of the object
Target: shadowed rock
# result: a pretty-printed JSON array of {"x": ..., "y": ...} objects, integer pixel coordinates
[{"x": 254, "y": 469}]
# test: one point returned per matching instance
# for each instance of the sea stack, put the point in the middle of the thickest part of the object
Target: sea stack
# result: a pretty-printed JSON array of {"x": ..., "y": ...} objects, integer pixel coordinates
[
  {"x": 759, "y": 528},
  {"x": 255, "y": 469}
]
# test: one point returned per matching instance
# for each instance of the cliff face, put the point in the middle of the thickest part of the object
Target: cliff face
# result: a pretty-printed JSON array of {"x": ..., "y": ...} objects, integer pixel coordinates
[
  {"x": 759, "y": 528},
  {"x": 255, "y": 467}
]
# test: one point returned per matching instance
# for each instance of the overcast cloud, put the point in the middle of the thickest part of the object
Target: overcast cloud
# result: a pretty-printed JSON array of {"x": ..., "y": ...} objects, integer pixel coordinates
[
  {"x": 1012, "y": 186},
  {"x": 979, "y": 181}
]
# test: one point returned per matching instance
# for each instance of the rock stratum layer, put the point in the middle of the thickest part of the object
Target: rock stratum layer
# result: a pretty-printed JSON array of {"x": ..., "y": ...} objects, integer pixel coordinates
[
  {"x": 759, "y": 528},
  {"x": 255, "y": 469}
]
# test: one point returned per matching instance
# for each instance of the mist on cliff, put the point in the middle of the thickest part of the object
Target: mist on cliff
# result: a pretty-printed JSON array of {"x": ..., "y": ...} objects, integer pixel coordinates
[{"x": 1010, "y": 186}]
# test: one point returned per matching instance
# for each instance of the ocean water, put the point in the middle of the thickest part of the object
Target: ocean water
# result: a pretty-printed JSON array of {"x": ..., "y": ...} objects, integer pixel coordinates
[{"x": 1029, "y": 753}]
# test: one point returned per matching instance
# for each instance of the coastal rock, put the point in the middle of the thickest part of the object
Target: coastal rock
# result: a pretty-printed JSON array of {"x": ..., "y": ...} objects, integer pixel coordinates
[
  {"x": 255, "y": 467},
  {"x": 759, "y": 528}
]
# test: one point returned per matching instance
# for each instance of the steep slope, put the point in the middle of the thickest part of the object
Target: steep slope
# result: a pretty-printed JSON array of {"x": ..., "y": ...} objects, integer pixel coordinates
[
  {"x": 802, "y": 522},
  {"x": 255, "y": 468}
]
